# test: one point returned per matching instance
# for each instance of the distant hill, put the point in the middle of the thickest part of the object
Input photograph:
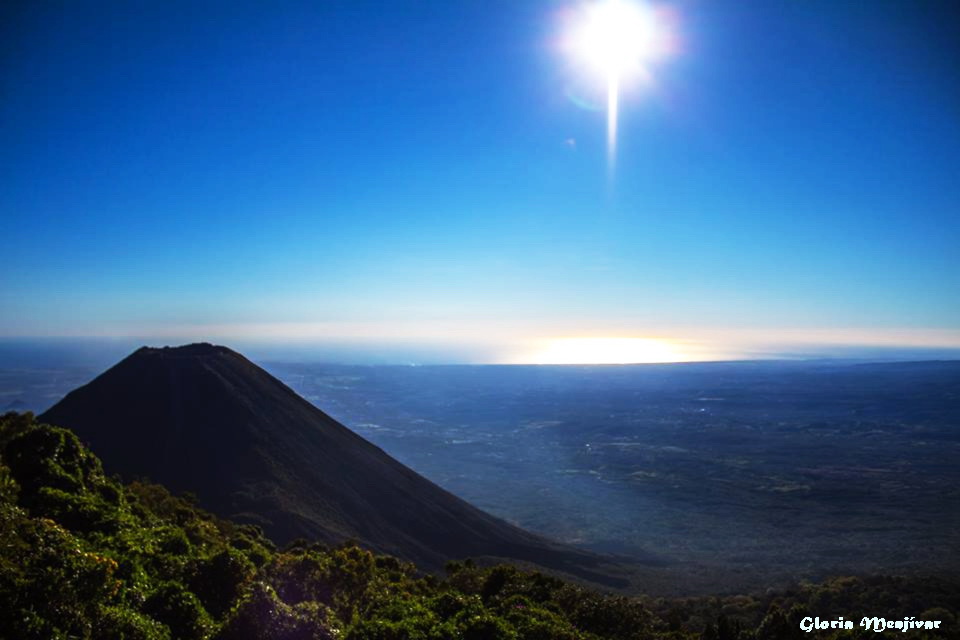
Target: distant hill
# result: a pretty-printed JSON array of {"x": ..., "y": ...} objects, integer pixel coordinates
[
  {"x": 204, "y": 419},
  {"x": 16, "y": 405}
]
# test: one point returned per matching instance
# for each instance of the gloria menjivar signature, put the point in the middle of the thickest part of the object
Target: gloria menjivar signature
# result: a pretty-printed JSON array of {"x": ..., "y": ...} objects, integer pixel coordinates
[{"x": 877, "y": 624}]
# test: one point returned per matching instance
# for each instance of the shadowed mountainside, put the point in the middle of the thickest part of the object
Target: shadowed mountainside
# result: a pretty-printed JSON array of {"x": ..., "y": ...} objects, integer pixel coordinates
[{"x": 204, "y": 419}]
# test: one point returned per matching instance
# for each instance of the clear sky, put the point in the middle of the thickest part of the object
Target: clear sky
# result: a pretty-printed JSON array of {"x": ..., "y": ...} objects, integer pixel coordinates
[{"x": 429, "y": 179}]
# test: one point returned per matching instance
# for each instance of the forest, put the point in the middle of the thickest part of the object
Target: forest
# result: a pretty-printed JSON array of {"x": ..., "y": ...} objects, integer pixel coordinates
[{"x": 84, "y": 555}]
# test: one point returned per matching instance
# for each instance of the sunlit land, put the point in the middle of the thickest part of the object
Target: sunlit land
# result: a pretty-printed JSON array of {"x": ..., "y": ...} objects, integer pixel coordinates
[{"x": 608, "y": 351}]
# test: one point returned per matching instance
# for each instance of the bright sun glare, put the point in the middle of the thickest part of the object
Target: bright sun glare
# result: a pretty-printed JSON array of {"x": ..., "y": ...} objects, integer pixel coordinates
[
  {"x": 616, "y": 40},
  {"x": 607, "y": 351}
]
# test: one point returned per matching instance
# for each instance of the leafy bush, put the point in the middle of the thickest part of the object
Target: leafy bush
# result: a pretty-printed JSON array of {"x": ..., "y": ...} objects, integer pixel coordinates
[
  {"x": 120, "y": 622},
  {"x": 262, "y": 614},
  {"x": 180, "y": 610},
  {"x": 220, "y": 579}
]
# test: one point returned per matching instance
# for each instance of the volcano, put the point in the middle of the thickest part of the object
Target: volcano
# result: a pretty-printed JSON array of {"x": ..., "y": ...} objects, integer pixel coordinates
[{"x": 203, "y": 419}]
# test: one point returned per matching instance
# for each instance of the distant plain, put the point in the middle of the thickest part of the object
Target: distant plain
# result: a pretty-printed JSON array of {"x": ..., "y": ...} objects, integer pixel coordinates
[
  {"x": 726, "y": 476},
  {"x": 733, "y": 475}
]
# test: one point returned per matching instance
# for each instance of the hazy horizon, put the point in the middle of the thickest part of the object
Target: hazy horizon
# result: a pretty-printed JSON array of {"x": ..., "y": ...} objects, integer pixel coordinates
[
  {"x": 99, "y": 353},
  {"x": 468, "y": 183}
]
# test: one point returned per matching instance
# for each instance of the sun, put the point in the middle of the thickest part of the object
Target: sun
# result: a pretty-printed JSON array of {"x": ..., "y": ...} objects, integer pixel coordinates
[
  {"x": 615, "y": 38},
  {"x": 616, "y": 41},
  {"x": 607, "y": 351}
]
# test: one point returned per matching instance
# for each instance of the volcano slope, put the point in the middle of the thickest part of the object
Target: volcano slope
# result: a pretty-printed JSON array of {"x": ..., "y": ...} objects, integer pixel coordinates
[{"x": 203, "y": 419}]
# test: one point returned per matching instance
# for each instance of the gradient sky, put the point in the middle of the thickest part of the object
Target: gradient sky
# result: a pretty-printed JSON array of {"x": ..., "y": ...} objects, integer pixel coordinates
[{"x": 382, "y": 174}]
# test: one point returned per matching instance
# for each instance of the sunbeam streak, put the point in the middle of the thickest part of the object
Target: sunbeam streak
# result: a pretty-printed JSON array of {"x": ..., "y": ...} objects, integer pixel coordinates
[
  {"x": 616, "y": 41},
  {"x": 613, "y": 107}
]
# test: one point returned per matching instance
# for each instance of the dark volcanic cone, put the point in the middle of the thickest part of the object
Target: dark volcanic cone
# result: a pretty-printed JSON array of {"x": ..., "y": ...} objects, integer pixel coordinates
[{"x": 204, "y": 419}]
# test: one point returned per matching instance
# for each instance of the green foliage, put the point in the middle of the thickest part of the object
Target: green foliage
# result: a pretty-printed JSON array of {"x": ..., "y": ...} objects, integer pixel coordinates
[
  {"x": 84, "y": 557},
  {"x": 481, "y": 625},
  {"x": 49, "y": 458},
  {"x": 262, "y": 614},
  {"x": 300, "y": 576},
  {"x": 180, "y": 610},
  {"x": 776, "y": 626},
  {"x": 398, "y": 619},
  {"x": 252, "y": 542},
  {"x": 51, "y": 585},
  {"x": 219, "y": 579},
  {"x": 121, "y": 622}
]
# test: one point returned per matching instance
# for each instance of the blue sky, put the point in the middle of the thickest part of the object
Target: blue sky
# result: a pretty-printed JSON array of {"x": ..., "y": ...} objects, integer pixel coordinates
[{"x": 414, "y": 177}]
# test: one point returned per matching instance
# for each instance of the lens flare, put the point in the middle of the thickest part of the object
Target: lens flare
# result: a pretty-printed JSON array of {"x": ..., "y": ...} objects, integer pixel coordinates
[{"x": 616, "y": 41}]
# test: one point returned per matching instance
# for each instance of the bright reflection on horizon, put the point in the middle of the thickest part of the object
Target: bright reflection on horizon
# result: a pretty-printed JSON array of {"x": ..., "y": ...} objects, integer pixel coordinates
[{"x": 608, "y": 351}]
